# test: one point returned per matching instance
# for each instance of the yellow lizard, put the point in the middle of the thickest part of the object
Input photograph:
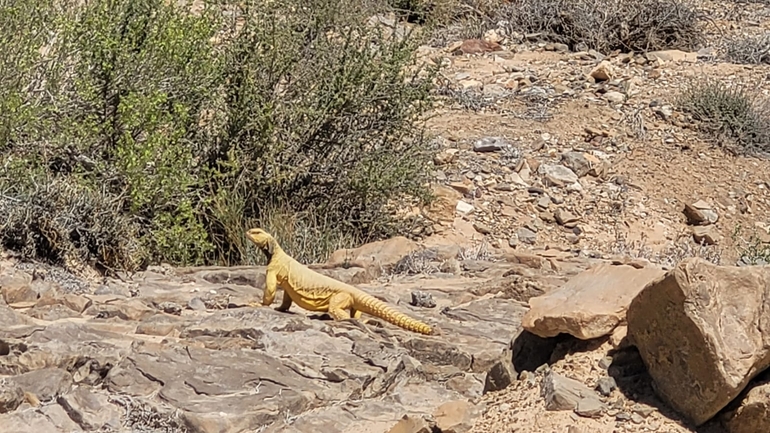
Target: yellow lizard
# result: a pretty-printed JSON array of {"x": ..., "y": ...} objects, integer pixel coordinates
[{"x": 317, "y": 292}]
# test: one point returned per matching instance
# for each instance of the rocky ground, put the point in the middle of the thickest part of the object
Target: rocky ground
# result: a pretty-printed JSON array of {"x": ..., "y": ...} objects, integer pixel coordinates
[{"x": 566, "y": 182}]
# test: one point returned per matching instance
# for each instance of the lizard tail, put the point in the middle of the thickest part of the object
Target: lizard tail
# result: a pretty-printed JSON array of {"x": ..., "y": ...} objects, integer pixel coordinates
[{"x": 367, "y": 303}]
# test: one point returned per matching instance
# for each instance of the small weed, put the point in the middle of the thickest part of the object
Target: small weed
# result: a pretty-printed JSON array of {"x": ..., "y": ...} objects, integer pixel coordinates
[
  {"x": 751, "y": 250},
  {"x": 683, "y": 247},
  {"x": 478, "y": 251}
]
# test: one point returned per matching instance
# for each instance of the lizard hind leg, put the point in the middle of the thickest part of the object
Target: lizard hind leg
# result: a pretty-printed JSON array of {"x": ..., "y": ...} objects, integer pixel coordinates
[
  {"x": 339, "y": 304},
  {"x": 356, "y": 314},
  {"x": 286, "y": 303}
]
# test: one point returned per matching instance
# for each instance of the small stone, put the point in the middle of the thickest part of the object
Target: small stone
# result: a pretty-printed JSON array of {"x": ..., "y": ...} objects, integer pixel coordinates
[
  {"x": 490, "y": 144},
  {"x": 562, "y": 393},
  {"x": 564, "y": 217},
  {"x": 623, "y": 416},
  {"x": 170, "y": 308},
  {"x": 557, "y": 175},
  {"x": 614, "y": 97},
  {"x": 590, "y": 408},
  {"x": 423, "y": 299},
  {"x": 526, "y": 235},
  {"x": 577, "y": 162},
  {"x": 196, "y": 304},
  {"x": 482, "y": 228},
  {"x": 705, "y": 235},
  {"x": 606, "y": 385},
  {"x": 11, "y": 397},
  {"x": 500, "y": 376},
  {"x": 605, "y": 362},
  {"x": 700, "y": 213},
  {"x": 454, "y": 416},
  {"x": 463, "y": 207},
  {"x": 603, "y": 71},
  {"x": 544, "y": 202},
  {"x": 643, "y": 410}
]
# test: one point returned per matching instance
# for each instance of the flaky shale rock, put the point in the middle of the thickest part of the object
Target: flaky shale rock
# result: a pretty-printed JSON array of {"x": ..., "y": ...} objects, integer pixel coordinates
[
  {"x": 591, "y": 304},
  {"x": 703, "y": 332}
]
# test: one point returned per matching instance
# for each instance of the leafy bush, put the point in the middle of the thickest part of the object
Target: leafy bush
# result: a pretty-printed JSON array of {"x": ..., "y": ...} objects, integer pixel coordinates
[
  {"x": 606, "y": 25},
  {"x": 189, "y": 127},
  {"x": 737, "y": 118}
]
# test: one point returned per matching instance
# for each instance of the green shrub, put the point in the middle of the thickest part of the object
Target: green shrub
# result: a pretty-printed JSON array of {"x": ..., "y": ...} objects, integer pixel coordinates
[
  {"x": 737, "y": 118},
  {"x": 321, "y": 121},
  {"x": 189, "y": 127}
]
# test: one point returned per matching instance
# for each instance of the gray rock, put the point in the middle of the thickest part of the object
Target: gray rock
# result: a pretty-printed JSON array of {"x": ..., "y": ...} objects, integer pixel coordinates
[
  {"x": 557, "y": 175},
  {"x": 490, "y": 144},
  {"x": 590, "y": 408},
  {"x": 11, "y": 396},
  {"x": 91, "y": 411},
  {"x": 562, "y": 393},
  {"x": 423, "y": 299},
  {"x": 499, "y": 376},
  {"x": 614, "y": 97},
  {"x": 606, "y": 385},
  {"x": 577, "y": 162},
  {"x": 526, "y": 235}
]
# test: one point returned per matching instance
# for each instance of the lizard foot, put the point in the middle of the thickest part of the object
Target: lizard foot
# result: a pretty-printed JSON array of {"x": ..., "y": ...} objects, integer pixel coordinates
[{"x": 372, "y": 322}]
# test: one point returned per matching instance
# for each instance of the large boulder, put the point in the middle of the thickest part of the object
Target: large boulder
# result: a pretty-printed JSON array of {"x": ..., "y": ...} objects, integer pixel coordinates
[
  {"x": 591, "y": 304},
  {"x": 703, "y": 331},
  {"x": 385, "y": 254}
]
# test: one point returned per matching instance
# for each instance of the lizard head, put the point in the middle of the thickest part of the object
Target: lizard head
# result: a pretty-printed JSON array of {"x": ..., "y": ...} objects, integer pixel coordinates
[{"x": 263, "y": 240}]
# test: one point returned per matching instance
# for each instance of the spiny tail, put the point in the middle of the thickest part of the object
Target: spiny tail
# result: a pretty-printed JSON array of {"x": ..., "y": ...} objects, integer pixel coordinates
[{"x": 367, "y": 303}]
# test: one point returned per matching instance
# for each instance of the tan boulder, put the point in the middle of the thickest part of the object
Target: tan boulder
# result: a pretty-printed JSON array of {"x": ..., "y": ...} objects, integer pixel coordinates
[
  {"x": 589, "y": 305},
  {"x": 703, "y": 332},
  {"x": 383, "y": 254}
]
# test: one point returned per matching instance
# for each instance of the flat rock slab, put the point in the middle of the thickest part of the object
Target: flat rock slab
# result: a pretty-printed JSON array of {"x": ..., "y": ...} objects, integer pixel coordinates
[
  {"x": 591, "y": 304},
  {"x": 703, "y": 331},
  {"x": 178, "y": 348}
]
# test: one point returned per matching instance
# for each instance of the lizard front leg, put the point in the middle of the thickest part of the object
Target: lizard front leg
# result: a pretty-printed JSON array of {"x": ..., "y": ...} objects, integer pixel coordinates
[{"x": 271, "y": 284}]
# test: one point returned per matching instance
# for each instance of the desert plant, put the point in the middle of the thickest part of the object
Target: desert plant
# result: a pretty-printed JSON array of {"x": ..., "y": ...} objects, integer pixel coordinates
[
  {"x": 736, "y": 118},
  {"x": 752, "y": 50},
  {"x": 188, "y": 126},
  {"x": 606, "y": 25},
  {"x": 320, "y": 120}
]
